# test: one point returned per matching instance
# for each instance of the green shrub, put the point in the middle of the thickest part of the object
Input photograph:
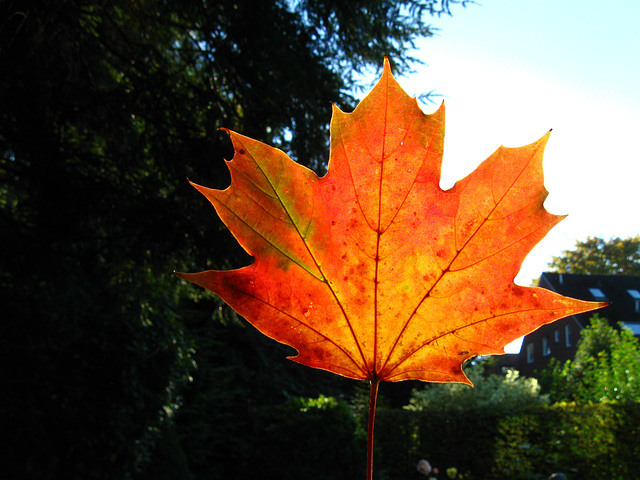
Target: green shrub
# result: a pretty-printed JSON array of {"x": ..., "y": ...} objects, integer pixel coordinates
[
  {"x": 497, "y": 392},
  {"x": 605, "y": 367}
]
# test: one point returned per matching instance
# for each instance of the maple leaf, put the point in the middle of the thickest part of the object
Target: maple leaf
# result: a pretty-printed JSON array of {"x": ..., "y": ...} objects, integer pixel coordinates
[{"x": 373, "y": 271}]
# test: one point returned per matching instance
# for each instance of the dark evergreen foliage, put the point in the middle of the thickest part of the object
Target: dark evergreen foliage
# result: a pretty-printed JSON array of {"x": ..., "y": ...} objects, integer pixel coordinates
[{"x": 106, "y": 108}]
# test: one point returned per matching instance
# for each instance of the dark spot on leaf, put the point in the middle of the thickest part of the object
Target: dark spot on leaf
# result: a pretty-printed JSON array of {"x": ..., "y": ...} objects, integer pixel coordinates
[
  {"x": 464, "y": 353},
  {"x": 242, "y": 151}
]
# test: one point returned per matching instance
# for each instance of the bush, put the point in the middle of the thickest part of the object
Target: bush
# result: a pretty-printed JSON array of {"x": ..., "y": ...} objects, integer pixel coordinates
[{"x": 490, "y": 392}]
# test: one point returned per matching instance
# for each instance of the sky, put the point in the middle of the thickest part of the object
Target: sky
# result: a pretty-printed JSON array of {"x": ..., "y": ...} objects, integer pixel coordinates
[{"x": 510, "y": 70}]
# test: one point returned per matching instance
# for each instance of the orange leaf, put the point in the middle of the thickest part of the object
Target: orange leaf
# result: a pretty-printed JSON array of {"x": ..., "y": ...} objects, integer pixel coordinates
[{"x": 373, "y": 271}]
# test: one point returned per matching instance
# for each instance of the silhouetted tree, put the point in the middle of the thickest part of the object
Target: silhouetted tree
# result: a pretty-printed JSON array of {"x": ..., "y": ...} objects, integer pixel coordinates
[{"x": 107, "y": 107}]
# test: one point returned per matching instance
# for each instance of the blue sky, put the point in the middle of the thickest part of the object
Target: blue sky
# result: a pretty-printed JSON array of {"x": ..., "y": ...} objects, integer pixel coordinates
[{"x": 509, "y": 70}]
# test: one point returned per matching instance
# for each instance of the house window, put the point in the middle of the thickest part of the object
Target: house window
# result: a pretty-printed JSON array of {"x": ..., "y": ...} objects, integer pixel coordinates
[
  {"x": 567, "y": 336},
  {"x": 546, "y": 349},
  {"x": 634, "y": 327},
  {"x": 530, "y": 353},
  {"x": 635, "y": 294},
  {"x": 556, "y": 336},
  {"x": 597, "y": 294}
]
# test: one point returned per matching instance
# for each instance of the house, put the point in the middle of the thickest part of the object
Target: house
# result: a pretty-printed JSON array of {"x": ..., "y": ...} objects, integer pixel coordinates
[{"x": 559, "y": 339}]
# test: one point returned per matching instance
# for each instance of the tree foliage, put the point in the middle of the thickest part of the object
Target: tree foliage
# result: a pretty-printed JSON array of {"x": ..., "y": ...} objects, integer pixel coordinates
[
  {"x": 107, "y": 108},
  {"x": 606, "y": 367},
  {"x": 597, "y": 256}
]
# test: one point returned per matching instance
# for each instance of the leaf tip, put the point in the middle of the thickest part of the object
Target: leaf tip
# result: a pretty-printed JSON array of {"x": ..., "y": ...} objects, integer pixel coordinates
[{"x": 386, "y": 68}]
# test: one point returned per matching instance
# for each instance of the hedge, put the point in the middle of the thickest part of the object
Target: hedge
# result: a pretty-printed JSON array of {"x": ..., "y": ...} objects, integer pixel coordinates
[
  {"x": 586, "y": 442},
  {"x": 324, "y": 439}
]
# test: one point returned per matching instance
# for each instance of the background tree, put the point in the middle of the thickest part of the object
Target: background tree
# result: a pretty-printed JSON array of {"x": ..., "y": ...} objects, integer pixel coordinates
[
  {"x": 601, "y": 257},
  {"x": 606, "y": 367},
  {"x": 107, "y": 108}
]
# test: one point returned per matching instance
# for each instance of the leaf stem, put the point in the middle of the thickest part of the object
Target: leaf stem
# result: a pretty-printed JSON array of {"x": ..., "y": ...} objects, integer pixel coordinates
[{"x": 373, "y": 397}]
